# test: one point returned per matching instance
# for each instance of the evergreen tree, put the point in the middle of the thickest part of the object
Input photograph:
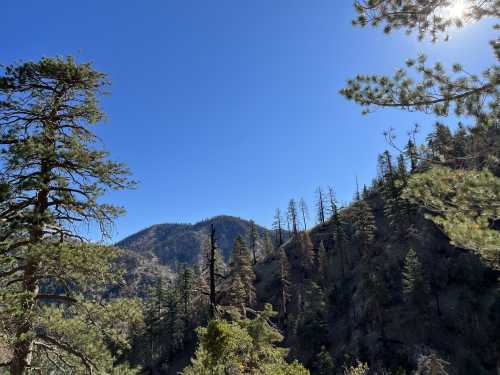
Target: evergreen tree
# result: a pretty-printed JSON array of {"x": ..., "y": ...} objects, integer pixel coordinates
[
  {"x": 241, "y": 275},
  {"x": 332, "y": 209},
  {"x": 268, "y": 246},
  {"x": 397, "y": 209},
  {"x": 278, "y": 227},
  {"x": 364, "y": 226},
  {"x": 186, "y": 286},
  {"x": 312, "y": 329},
  {"x": 242, "y": 347},
  {"x": 440, "y": 143},
  {"x": 214, "y": 270},
  {"x": 339, "y": 238},
  {"x": 323, "y": 265},
  {"x": 323, "y": 363},
  {"x": 464, "y": 205},
  {"x": 411, "y": 153},
  {"x": 284, "y": 286},
  {"x": 52, "y": 176},
  {"x": 376, "y": 296},
  {"x": 292, "y": 216},
  {"x": 253, "y": 238},
  {"x": 307, "y": 256},
  {"x": 415, "y": 286},
  {"x": 437, "y": 91}
]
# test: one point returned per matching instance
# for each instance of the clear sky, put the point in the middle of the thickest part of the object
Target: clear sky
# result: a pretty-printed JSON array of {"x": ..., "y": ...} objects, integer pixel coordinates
[{"x": 229, "y": 107}]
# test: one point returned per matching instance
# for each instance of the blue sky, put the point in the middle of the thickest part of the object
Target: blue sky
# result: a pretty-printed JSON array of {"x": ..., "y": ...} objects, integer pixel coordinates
[{"x": 230, "y": 107}]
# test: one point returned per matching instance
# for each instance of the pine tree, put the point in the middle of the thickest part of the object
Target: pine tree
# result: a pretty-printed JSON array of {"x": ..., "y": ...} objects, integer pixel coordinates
[
  {"x": 323, "y": 265},
  {"x": 323, "y": 363},
  {"x": 397, "y": 209},
  {"x": 434, "y": 89},
  {"x": 339, "y": 239},
  {"x": 278, "y": 227},
  {"x": 242, "y": 347},
  {"x": 253, "y": 238},
  {"x": 186, "y": 285},
  {"x": 411, "y": 153},
  {"x": 376, "y": 296},
  {"x": 237, "y": 293},
  {"x": 312, "y": 328},
  {"x": 213, "y": 265},
  {"x": 464, "y": 205},
  {"x": 53, "y": 174},
  {"x": 332, "y": 209},
  {"x": 284, "y": 285},
  {"x": 268, "y": 245},
  {"x": 307, "y": 256},
  {"x": 292, "y": 216},
  {"x": 415, "y": 286},
  {"x": 241, "y": 275},
  {"x": 364, "y": 226}
]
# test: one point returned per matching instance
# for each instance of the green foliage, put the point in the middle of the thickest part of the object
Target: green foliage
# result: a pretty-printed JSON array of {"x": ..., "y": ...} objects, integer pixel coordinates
[
  {"x": 436, "y": 91},
  {"x": 76, "y": 339},
  {"x": 242, "y": 347},
  {"x": 364, "y": 225},
  {"x": 241, "y": 276},
  {"x": 307, "y": 254},
  {"x": 323, "y": 363},
  {"x": 464, "y": 205},
  {"x": 356, "y": 369},
  {"x": 415, "y": 285},
  {"x": 53, "y": 174},
  {"x": 310, "y": 322},
  {"x": 253, "y": 237},
  {"x": 424, "y": 17}
]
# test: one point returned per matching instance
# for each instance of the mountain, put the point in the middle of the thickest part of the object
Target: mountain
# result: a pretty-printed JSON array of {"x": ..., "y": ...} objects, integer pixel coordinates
[
  {"x": 364, "y": 311},
  {"x": 174, "y": 244}
]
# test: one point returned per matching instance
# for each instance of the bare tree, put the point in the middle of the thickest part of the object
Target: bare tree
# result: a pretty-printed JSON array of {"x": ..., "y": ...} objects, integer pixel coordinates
[
  {"x": 304, "y": 212},
  {"x": 320, "y": 205},
  {"x": 278, "y": 227}
]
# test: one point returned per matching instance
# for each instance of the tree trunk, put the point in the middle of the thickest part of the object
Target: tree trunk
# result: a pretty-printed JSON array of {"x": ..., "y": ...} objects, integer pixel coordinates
[
  {"x": 23, "y": 346},
  {"x": 212, "y": 273}
]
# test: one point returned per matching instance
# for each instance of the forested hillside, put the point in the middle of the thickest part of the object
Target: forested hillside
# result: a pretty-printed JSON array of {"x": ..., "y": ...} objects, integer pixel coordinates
[
  {"x": 175, "y": 244},
  {"x": 403, "y": 279}
]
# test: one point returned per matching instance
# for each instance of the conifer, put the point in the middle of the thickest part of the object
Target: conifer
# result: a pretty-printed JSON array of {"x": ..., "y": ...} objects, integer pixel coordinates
[
  {"x": 242, "y": 275},
  {"x": 364, "y": 226},
  {"x": 268, "y": 246},
  {"x": 253, "y": 238},
  {"x": 415, "y": 286},
  {"x": 56, "y": 173}
]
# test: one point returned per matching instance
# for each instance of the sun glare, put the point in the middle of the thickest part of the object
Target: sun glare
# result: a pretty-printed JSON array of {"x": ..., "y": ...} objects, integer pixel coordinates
[{"x": 456, "y": 9}]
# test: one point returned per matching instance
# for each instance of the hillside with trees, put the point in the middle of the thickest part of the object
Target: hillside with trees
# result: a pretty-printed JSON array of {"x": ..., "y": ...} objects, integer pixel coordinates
[{"x": 174, "y": 244}]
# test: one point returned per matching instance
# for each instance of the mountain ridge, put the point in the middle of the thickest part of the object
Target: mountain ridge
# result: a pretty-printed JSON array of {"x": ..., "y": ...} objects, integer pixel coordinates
[{"x": 183, "y": 243}]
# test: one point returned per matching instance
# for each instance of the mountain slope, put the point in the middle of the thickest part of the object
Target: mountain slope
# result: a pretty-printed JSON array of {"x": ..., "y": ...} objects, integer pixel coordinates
[
  {"x": 365, "y": 313},
  {"x": 174, "y": 244}
]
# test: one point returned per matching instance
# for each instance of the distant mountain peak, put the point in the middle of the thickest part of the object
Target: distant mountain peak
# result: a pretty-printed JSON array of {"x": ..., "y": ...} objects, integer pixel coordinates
[{"x": 175, "y": 243}]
